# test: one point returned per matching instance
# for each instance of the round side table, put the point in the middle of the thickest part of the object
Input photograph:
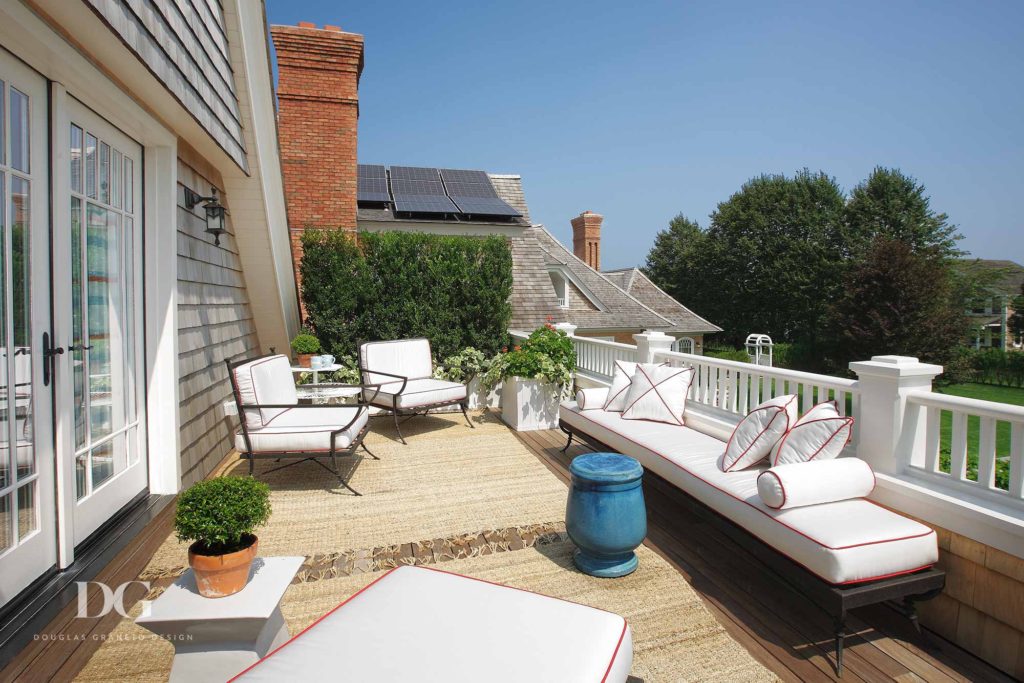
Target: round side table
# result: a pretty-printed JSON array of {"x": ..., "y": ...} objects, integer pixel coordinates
[{"x": 605, "y": 515}]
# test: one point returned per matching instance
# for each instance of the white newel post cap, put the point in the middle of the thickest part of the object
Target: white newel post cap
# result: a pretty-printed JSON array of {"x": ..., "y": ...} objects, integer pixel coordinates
[
  {"x": 651, "y": 341},
  {"x": 568, "y": 328},
  {"x": 891, "y": 436}
]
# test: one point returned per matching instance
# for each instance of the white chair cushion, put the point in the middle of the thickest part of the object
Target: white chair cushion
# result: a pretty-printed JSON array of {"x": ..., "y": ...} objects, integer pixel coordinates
[
  {"x": 622, "y": 377},
  {"x": 592, "y": 398},
  {"x": 418, "y": 392},
  {"x": 821, "y": 434},
  {"x": 758, "y": 432},
  {"x": 818, "y": 481},
  {"x": 265, "y": 381},
  {"x": 658, "y": 392},
  {"x": 422, "y": 624},
  {"x": 844, "y": 542},
  {"x": 404, "y": 357},
  {"x": 305, "y": 430}
]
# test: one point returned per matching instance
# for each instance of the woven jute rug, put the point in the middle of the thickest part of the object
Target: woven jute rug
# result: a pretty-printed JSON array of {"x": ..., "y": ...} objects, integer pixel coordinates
[{"x": 474, "y": 502}]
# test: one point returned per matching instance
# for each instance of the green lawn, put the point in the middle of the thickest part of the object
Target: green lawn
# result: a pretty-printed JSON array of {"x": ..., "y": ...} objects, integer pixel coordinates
[{"x": 985, "y": 392}]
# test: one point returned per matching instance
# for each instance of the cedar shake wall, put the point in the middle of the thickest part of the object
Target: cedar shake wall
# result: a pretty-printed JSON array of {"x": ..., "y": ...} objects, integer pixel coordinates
[
  {"x": 215, "y": 322},
  {"x": 318, "y": 112}
]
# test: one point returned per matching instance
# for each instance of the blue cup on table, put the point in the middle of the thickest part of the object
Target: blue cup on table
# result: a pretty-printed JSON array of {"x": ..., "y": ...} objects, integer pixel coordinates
[
  {"x": 326, "y": 360},
  {"x": 316, "y": 362}
]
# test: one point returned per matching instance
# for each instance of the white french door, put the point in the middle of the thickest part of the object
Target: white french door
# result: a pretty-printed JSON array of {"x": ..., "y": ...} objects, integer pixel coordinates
[
  {"x": 28, "y": 541},
  {"x": 98, "y": 317}
]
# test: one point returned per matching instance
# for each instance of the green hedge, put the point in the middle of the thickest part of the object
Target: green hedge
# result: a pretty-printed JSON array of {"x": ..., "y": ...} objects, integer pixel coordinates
[
  {"x": 452, "y": 290},
  {"x": 986, "y": 366}
]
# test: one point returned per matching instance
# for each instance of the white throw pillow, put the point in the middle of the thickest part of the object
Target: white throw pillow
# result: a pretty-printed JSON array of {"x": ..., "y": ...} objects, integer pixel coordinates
[
  {"x": 821, "y": 434},
  {"x": 757, "y": 433},
  {"x": 811, "y": 483},
  {"x": 658, "y": 392},
  {"x": 621, "y": 379}
]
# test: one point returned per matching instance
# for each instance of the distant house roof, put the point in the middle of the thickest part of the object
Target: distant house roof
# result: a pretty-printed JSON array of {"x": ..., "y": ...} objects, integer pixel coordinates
[
  {"x": 634, "y": 282},
  {"x": 1009, "y": 274}
]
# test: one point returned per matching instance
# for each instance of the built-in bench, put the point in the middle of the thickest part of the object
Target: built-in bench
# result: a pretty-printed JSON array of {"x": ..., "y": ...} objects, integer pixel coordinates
[{"x": 842, "y": 555}]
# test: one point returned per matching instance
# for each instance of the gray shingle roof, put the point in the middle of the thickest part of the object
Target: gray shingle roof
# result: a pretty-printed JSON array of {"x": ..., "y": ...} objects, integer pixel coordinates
[
  {"x": 1010, "y": 275},
  {"x": 636, "y": 283},
  {"x": 510, "y": 188}
]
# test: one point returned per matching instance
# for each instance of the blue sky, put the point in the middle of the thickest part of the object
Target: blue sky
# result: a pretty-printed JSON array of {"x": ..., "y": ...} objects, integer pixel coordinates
[{"x": 639, "y": 111}]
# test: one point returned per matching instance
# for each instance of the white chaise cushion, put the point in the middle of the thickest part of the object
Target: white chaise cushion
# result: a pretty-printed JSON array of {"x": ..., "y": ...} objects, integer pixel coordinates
[
  {"x": 265, "y": 381},
  {"x": 845, "y": 542},
  {"x": 758, "y": 432},
  {"x": 417, "y": 392},
  {"x": 622, "y": 377},
  {"x": 423, "y": 624},
  {"x": 305, "y": 430},
  {"x": 403, "y": 357},
  {"x": 821, "y": 434},
  {"x": 658, "y": 392},
  {"x": 592, "y": 398},
  {"x": 818, "y": 481}
]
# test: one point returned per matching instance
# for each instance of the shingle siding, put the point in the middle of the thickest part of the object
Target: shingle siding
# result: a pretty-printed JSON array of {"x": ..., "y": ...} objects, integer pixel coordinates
[
  {"x": 183, "y": 43},
  {"x": 215, "y": 322}
]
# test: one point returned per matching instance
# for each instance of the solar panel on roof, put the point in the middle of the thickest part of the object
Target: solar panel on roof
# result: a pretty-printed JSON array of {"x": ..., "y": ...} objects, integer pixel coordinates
[
  {"x": 373, "y": 184},
  {"x": 420, "y": 190},
  {"x": 473, "y": 192}
]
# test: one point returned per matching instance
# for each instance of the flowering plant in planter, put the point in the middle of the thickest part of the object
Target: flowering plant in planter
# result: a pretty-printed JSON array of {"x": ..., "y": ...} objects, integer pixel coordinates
[
  {"x": 463, "y": 366},
  {"x": 546, "y": 355}
]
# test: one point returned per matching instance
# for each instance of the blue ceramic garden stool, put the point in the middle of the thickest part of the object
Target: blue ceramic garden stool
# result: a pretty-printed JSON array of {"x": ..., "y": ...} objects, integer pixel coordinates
[{"x": 605, "y": 515}]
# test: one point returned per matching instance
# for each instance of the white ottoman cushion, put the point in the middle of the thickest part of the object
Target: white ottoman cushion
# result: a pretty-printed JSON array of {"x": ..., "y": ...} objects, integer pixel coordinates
[
  {"x": 818, "y": 481},
  {"x": 422, "y": 624}
]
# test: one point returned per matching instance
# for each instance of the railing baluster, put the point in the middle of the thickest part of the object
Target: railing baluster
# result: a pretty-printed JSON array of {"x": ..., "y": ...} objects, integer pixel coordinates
[
  {"x": 1017, "y": 460},
  {"x": 987, "y": 453},
  {"x": 958, "y": 447},
  {"x": 933, "y": 435}
]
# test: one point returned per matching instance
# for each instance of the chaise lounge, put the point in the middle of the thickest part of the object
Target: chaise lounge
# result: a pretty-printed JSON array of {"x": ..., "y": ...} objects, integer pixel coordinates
[{"x": 842, "y": 554}]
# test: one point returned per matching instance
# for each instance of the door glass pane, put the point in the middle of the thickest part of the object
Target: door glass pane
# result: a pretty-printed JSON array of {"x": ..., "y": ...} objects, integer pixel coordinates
[
  {"x": 108, "y": 459},
  {"x": 129, "y": 186},
  {"x": 103, "y": 259},
  {"x": 78, "y": 323},
  {"x": 115, "y": 178},
  {"x": 76, "y": 159},
  {"x": 6, "y": 523},
  {"x": 3, "y": 122},
  {"x": 104, "y": 173},
  {"x": 21, "y": 309},
  {"x": 129, "y": 319},
  {"x": 27, "y": 521},
  {"x": 90, "y": 166},
  {"x": 19, "y": 130},
  {"x": 5, "y": 409}
]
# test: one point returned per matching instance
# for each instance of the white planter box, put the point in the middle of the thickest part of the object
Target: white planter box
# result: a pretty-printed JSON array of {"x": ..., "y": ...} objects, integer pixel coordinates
[
  {"x": 529, "y": 405},
  {"x": 479, "y": 399}
]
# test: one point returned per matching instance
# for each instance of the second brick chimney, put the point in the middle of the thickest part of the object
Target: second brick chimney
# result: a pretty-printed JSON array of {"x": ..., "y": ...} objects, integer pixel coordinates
[
  {"x": 318, "y": 109},
  {"x": 586, "y": 238}
]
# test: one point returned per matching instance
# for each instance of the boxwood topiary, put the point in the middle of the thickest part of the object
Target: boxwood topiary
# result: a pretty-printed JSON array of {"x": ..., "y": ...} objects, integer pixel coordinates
[{"x": 221, "y": 514}]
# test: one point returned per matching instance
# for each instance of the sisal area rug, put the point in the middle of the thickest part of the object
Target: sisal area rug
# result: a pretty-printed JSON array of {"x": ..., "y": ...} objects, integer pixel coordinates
[{"x": 484, "y": 499}]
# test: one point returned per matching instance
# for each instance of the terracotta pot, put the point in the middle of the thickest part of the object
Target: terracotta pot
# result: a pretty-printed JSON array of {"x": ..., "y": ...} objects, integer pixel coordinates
[
  {"x": 218, "y": 576},
  {"x": 305, "y": 359}
]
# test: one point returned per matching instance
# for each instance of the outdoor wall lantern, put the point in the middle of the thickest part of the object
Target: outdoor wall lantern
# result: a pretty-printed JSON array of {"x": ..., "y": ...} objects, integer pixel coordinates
[{"x": 214, "y": 212}]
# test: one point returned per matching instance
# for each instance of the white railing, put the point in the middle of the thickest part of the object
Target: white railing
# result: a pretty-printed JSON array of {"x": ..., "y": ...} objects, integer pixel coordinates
[
  {"x": 736, "y": 387},
  {"x": 562, "y": 303},
  {"x": 596, "y": 357},
  {"x": 974, "y": 444}
]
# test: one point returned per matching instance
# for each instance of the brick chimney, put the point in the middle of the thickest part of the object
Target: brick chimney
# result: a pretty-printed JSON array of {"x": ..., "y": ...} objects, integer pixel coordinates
[
  {"x": 318, "y": 110},
  {"x": 586, "y": 238}
]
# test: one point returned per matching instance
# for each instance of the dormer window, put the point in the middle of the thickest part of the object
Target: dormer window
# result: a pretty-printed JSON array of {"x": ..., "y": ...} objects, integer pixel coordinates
[{"x": 561, "y": 289}]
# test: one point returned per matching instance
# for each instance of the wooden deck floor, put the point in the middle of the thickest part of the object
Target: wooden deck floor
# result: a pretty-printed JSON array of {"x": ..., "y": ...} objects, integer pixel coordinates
[{"x": 777, "y": 625}]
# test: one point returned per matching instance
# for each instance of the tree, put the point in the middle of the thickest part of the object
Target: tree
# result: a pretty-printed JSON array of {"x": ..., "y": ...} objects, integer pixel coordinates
[
  {"x": 674, "y": 262},
  {"x": 894, "y": 205},
  {"x": 897, "y": 299},
  {"x": 1016, "y": 320},
  {"x": 771, "y": 257}
]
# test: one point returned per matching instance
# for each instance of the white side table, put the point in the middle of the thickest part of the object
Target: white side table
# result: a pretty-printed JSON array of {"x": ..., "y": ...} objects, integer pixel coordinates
[
  {"x": 216, "y": 638},
  {"x": 316, "y": 371}
]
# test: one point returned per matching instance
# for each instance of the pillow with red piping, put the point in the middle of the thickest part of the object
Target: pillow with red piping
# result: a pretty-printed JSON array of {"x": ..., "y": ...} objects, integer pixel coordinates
[
  {"x": 816, "y": 482},
  {"x": 758, "y": 432},
  {"x": 658, "y": 393},
  {"x": 621, "y": 379},
  {"x": 821, "y": 434}
]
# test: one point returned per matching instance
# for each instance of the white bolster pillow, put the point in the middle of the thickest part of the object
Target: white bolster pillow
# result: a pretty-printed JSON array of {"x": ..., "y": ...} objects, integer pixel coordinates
[
  {"x": 814, "y": 482},
  {"x": 591, "y": 399}
]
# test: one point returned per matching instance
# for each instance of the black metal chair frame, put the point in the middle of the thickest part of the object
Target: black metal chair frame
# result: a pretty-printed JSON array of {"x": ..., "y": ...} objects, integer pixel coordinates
[
  {"x": 904, "y": 591},
  {"x": 302, "y": 456},
  {"x": 408, "y": 414}
]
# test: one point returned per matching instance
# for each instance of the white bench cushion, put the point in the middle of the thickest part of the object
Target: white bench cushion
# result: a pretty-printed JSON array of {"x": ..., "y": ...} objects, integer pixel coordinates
[
  {"x": 265, "y": 381},
  {"x": 418, "y": 392},
  {"x": 843, "y": 542},
  {"x": 305, "y": 430},
  {"x": 422, "y": 624}
]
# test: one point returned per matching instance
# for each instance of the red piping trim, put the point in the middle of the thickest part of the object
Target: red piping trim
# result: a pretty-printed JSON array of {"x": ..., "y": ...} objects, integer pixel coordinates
[
  {"x": 847, "y": 422},
  {"x": 781, "y": 486},
  {"x": 615, "y": 652},
  {"x": 772, "y": 517},
  {"x": 781, "y": 409},
  {"x": 300, "y": 633}
]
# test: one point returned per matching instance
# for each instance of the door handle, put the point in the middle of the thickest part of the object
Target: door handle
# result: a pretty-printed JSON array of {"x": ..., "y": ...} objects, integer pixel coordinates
[
  {"x": 48, "y": 354},
  {"x": 79, "y": 347}
]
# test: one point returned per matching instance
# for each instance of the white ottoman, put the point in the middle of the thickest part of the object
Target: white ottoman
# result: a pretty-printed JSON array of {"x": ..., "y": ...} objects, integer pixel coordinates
[{"x": 422, "y": 624}]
